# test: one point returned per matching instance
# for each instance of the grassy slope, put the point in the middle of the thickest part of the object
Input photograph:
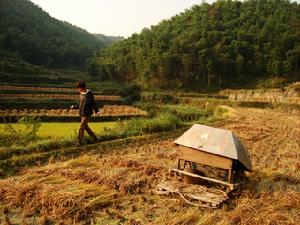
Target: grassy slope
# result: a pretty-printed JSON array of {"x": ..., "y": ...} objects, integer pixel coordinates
[{"x": 14, "y": 71}]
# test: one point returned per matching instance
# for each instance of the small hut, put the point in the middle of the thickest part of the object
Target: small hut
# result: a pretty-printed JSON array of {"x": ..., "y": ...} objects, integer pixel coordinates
[{"x": 212, "y": 147}]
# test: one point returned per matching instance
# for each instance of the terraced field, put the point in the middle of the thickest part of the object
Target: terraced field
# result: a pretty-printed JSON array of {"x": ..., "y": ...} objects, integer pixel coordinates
[
  {"x": 56, "y": 96},
  {"x": 114, "y": 183},
  {"x": 107, "y": 110},
  {"x": 36, "y": 88}
]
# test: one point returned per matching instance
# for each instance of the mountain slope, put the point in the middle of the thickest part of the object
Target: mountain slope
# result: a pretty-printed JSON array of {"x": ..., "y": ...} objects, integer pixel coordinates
[
  {"x": 108, "y": 39},
  {"x": 28, "y": 31},
  {"x": 226, "y": 44}
]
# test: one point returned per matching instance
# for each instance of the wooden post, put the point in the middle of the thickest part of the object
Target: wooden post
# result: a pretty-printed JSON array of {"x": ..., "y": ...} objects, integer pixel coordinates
[
  {"x": 178, "y": 164},
  {"x": 229, "y": 175}
]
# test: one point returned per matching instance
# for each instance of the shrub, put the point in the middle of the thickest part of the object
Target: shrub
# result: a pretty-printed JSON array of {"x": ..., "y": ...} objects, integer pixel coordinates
[
  {"x": 131, "y": 93},
  {"x": 274, "y": 82},
  {"x": 165, "y": 99},
  {"x": 26, "y": 133},
  {"x": 219, "y": 112},
  {"x": 163, "y": 122},
  {"x": 151, "y": 108},
  {"x": 186, "y": 113}
]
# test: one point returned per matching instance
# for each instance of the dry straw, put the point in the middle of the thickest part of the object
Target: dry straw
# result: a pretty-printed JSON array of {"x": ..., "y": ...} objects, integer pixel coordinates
[{"x": 55, "y": 197}]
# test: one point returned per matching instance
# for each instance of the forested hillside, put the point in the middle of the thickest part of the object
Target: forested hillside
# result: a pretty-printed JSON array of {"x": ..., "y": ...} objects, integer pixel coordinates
[
  {"x": 108, "y": 39},
  {"x": 226, "y": 44},
  {"x": 31, "y": 34}
]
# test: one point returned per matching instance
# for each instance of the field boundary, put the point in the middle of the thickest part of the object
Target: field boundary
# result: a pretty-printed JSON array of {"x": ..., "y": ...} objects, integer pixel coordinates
[
  {"x": 15, "y": 163},
  {"x": 109, "y": 118}
]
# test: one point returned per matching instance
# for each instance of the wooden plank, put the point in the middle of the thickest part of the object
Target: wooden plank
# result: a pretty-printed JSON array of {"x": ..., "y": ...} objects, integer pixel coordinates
[
  {"x": 231, "y": 186},
  {"x": 205, "y": 158},
  {"x": 204, "y": 198}
]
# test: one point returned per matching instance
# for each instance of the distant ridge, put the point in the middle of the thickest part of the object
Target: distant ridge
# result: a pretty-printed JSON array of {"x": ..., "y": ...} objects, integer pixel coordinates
[
  {"x": 108, "y": 39},
  {"x": 33, "y": 35}
]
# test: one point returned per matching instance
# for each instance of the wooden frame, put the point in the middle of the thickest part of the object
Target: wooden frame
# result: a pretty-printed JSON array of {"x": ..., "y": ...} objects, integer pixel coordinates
[
  {"x": 229, "y": 185},
  {"x": 196, "y": 156}
]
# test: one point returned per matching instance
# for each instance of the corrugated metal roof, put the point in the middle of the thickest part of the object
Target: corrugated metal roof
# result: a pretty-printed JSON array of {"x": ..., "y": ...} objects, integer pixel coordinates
[{"x": 215, "y": 141}]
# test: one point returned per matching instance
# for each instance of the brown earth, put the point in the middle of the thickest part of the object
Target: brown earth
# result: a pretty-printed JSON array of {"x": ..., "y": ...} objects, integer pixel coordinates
[{"x": 270, "y": 196}]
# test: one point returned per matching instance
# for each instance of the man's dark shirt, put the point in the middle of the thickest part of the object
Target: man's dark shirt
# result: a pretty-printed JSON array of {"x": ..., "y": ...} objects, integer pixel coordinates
[{"x": 87, "y": 104}]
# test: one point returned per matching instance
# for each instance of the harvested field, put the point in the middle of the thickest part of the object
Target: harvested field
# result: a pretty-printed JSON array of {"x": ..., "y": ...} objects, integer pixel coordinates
[
  {"x": 130, "y": 174},
  {"x": 56, "y": 197},
  {"x": 107, "y": 110},
  {"x": 24, "y": 88},
  {"x": 56, "y": 96},
  {"x": 131, "y": 171},
  {"x": 289, "y": 94}
]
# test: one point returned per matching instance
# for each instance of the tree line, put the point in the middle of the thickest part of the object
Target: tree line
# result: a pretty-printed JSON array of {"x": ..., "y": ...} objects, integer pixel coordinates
[
  {"x": 33, "y": 35},
  {"x": 224, "y": 44}
]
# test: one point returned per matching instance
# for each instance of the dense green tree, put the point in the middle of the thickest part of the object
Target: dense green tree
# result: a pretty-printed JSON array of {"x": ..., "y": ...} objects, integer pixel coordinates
[
  {"x": 224, "y": 44},
  {"x": 38, "y": 38}
]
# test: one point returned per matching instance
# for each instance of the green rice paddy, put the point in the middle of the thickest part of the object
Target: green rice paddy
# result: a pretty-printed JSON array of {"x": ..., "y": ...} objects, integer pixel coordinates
[{"x": 65, "y": 129}]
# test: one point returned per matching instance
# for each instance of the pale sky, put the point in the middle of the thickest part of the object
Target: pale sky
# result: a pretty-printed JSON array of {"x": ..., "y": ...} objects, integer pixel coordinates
[{"x": 115, "y": 17}]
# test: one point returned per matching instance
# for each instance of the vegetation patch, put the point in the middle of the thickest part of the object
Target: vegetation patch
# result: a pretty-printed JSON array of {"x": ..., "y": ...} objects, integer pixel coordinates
[
  {"x": 163, "y": 122},
  {"x": 23, "y": 134},
  {"x": 186, "y": 113}
]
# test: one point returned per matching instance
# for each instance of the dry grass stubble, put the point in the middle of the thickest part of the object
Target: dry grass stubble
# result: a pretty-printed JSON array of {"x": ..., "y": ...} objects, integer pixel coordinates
[{"x": 129, "y": 173}]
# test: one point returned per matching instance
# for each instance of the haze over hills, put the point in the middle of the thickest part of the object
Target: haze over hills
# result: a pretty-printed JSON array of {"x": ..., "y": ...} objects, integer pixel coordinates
[
  {"x": 31, "y": 34},
  {"x": 225, "y": 44},
  {"x": 108, "y": 39}
]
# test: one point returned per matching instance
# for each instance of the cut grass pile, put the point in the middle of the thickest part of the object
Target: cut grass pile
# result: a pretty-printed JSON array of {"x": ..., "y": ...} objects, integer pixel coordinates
[
  {"x": 55, "y": 197},
  {"x": 269, "y": 208},
  {"x": 81, "y": 187}
]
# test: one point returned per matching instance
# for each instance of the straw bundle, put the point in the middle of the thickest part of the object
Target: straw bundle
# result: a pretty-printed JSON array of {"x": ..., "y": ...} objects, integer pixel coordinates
[{"x": 55, "y": 197}]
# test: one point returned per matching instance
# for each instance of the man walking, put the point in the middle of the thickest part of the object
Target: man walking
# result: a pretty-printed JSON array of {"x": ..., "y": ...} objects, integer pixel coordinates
[{"x": 86, "y": 107}]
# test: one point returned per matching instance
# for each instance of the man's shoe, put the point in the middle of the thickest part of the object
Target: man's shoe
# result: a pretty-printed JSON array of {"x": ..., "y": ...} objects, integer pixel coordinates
[{"x": 95, "y": 140}]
